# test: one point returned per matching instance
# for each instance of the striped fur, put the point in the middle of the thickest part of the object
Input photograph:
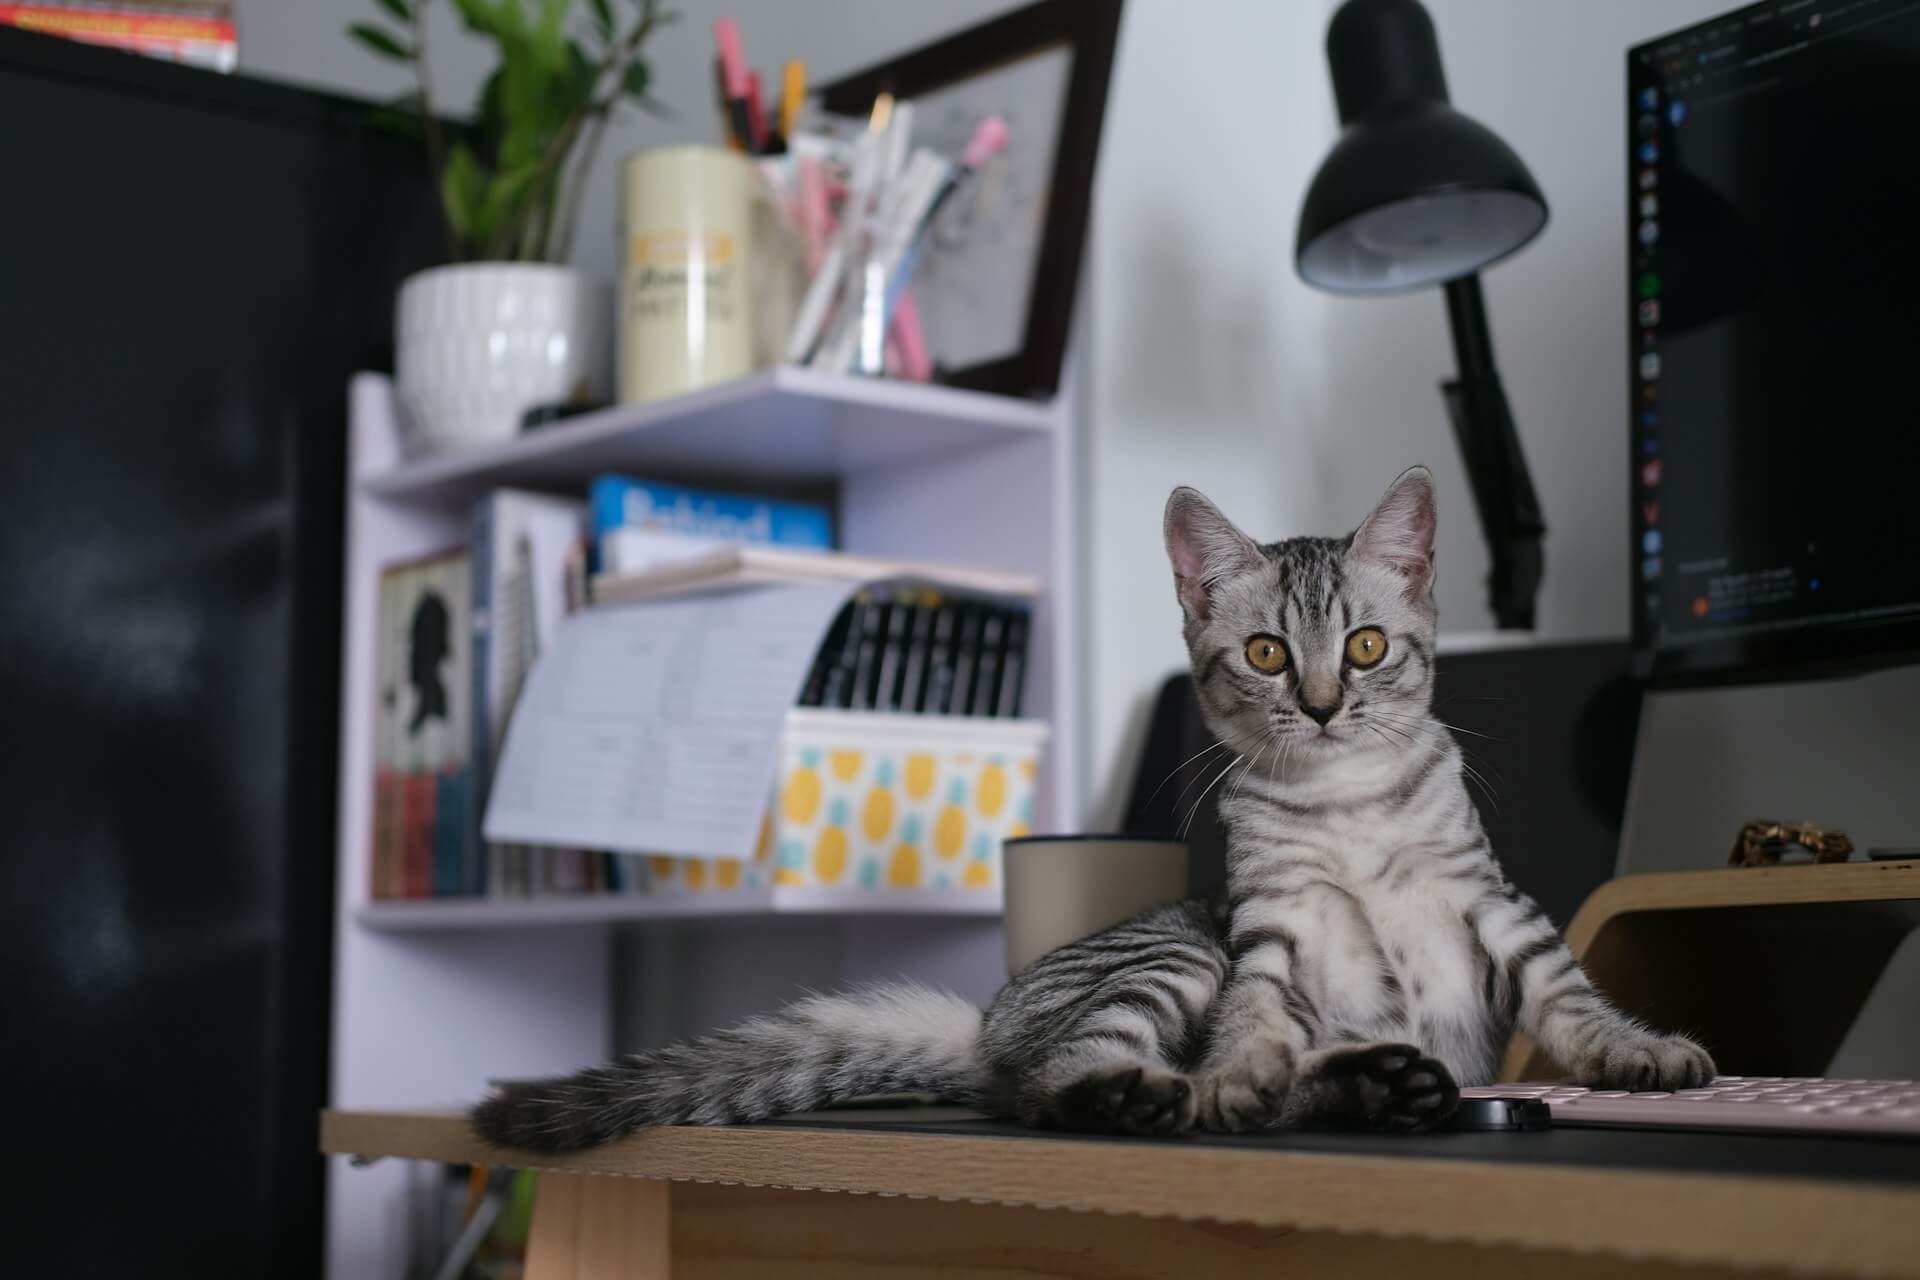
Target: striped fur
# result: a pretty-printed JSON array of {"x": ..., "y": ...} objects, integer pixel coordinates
[{"x": 1370, "y": 953}]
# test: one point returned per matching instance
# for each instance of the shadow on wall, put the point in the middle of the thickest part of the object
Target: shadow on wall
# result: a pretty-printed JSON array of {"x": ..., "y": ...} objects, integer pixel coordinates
[{"x": 1200, "y": 355}]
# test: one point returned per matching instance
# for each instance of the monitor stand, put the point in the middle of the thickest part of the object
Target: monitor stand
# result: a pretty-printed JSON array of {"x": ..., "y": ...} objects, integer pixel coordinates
[{"x": 1767, "y": 966}]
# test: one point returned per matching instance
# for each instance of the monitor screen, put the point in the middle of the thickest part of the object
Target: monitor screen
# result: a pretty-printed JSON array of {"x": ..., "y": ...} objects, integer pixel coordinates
[{"x": 1774, "y": 314}]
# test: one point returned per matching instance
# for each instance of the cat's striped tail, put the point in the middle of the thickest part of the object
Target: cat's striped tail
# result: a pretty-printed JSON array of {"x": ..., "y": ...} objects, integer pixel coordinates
[{"x": 820, "y": 1050}]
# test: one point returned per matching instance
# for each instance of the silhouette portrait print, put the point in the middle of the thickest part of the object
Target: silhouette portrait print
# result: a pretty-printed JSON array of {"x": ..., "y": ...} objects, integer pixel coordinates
[{"x": 429, "y": 648}]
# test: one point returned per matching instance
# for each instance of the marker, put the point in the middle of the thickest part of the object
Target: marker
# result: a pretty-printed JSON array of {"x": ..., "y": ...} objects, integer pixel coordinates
[{"x": 734, "y": 81}]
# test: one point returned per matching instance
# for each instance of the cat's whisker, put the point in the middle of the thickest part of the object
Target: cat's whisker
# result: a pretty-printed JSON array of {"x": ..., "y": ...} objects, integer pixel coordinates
[
  {"x": 1241, "y": 781},
  {"x": 1199, "y": 799},
  {"x": 1175, "y": 771},
  {"x": 1199, "y": 773}
]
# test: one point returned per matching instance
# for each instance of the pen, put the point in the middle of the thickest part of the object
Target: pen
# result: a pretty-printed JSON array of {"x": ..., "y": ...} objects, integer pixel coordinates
[{"x": 793, "y": 94}]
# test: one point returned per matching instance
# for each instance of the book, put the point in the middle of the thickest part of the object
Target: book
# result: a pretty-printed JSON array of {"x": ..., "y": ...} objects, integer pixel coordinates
[
  {"x": 986, "y": 681},
  {"x": 867, "y": 660},
  {"x": 1013, "y": 669},
  {"x": 424, "y": 820},
  {"x": 886, "y": 693},
  {"x": 753, "y": 565},
  {"x": 966, "y": 659},
  {"x": 913, "y": 673},
  {"x": 521, "y": 544},
  {"x": 201, "y": 33},
  {"x": 638, "y": 525},
  {"x": 939, "y": 686}
]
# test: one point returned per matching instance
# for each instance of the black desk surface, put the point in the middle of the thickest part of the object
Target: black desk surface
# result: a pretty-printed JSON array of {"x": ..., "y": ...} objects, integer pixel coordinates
[{"x": 1875, "y": 1160}]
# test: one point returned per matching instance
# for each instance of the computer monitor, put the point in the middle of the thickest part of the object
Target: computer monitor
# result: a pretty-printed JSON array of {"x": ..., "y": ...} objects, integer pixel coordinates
[{"x": 1773, "y": 306}]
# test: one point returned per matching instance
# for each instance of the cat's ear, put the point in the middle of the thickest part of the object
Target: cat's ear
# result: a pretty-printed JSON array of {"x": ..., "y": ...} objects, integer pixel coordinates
[
  {"x": 1399, "y": 534},
  {"x": 1204, "y": 547}
]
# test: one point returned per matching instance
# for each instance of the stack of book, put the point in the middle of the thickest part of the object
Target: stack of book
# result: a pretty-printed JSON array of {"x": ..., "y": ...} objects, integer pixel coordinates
[
  {"x": 201, "y": 33},
  {"x": 460, "y": 631}
]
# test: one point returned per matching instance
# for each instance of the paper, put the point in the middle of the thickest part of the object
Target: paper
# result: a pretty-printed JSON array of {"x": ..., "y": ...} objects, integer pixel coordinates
[{"x": 654, "y": 727}]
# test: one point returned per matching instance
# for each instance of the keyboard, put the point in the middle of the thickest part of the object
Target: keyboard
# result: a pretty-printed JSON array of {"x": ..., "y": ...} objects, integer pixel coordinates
[{"x": 1793, "y": 1104}]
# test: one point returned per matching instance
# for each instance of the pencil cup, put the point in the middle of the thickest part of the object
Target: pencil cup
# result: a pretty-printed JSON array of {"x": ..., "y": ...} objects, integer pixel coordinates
[
  {"x": 1063, "y": 888},
  {"x": 687, "y": 247}
]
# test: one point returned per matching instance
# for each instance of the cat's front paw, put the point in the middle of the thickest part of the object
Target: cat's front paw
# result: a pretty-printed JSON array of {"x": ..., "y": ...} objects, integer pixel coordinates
[
  {"x": 1394, "y": 1086},
  {"x": 1650, "y": 1063},
  {"x": 1245, "y": 1091}
]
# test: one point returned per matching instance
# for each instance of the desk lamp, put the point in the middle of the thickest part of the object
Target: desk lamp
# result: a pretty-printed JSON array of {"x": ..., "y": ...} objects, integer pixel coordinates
[{"x": 1416, "y": 194}]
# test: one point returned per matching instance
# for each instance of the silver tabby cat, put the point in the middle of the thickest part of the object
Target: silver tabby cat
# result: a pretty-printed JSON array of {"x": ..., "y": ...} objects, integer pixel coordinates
[{"x": 1370, "y": 953}]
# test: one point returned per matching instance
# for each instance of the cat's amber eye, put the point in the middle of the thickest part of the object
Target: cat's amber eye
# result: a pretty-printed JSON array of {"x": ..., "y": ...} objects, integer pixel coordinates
[
  {"x": 1366, "y": 647},
  {"x": 1266, "y": 654}
]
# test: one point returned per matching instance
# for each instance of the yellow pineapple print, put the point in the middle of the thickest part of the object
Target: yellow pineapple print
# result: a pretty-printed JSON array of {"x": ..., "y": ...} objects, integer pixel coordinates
[
  {"x": 978, "y": 875},
  {"x": 696, "y": 873},
  {"x": 991, "y": 794},
  {"x": 726, "y": 873},
  {"x": 830, "y": 855},
  {"x": 845, "y": 764},
  {"x": 877, "y": 818},
  {"x": 903, "y": 871},
  {"x": 950, "y": 832},
  {"x": 920, "y": 775},
  {"x": 662, "y": 866},
  {"x": 801, "y": 800}
]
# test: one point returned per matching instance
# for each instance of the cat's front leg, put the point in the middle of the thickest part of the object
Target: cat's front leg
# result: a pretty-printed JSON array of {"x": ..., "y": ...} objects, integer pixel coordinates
[
  {"x": 1262, "y": 1025},
  {"x": 1554, "y": 1002}
]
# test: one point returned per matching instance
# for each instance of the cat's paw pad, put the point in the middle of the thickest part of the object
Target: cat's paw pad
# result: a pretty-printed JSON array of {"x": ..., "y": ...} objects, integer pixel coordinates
[
  {"x": 1392, "y": 1085},
  {"x": 1246, "y": 1093},
  {"x": 1650, "y": 1063},
  {"x": 1146, "y": 1101}
]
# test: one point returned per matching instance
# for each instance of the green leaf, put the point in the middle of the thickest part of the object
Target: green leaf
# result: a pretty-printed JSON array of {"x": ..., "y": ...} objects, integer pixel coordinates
[
  {"x": 602, "y": 18},
  {"x": 493, "y": 110},
  {"x": 402, "y": 10},
  {"x": 550, "y": 46},
  {"x": 461, "y": 190},
  {"x": 634, "y": 85},
  {"x": 478, "y": 17},
  {"x": 380, "y": 41}
]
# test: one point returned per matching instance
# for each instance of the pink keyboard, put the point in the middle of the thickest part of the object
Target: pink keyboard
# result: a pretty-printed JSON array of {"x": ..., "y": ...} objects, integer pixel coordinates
[{"x": 1889, "y": 1108}]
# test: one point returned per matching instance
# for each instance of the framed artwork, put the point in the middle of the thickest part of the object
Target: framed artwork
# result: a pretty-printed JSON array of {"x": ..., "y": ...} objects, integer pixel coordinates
[{"x": 996, "y": 286}]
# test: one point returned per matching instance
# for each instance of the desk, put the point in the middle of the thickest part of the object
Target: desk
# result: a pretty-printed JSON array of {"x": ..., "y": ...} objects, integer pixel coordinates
[{"x": 939, "y": 1192}]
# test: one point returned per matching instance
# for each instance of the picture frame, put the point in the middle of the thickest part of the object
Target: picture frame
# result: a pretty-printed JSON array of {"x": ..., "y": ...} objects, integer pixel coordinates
[{"x": 998, "y": 295}]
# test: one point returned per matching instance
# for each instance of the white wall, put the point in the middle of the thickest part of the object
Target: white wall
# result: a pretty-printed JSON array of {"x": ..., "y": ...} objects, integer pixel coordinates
[
  {"x": 1213, "y": 365},
  {"x": 305, "y": 41}
]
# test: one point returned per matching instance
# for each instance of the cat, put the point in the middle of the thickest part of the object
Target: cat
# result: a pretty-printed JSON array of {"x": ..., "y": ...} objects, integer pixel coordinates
[{"x": 1369, "y": 955}]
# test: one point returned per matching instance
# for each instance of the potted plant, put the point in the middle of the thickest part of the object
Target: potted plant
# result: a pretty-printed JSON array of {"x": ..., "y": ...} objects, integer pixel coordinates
[{"x": 507, "y": 326}]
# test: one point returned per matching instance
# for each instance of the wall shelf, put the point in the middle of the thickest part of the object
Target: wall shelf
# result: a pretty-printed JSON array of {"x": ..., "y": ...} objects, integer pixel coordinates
[
  {"x": 429, "y": 915},
  {"x": 787, "y": 425}
]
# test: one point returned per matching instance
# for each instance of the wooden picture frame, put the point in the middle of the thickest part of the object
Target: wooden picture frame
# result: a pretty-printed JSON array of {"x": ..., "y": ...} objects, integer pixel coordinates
[{"x": 1088, "y": 31}]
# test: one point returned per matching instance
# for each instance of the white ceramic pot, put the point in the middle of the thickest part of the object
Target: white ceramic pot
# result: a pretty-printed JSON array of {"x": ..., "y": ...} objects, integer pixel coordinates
[{"x": 478, "y": 344}]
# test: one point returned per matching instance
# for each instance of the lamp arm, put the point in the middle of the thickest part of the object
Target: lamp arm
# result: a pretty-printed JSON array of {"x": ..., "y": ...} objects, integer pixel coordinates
[{"x": 1503, "y": 492}]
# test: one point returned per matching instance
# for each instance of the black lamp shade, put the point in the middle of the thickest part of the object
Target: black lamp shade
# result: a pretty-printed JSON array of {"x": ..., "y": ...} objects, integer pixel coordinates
[{"x": 1414, "y": 193}]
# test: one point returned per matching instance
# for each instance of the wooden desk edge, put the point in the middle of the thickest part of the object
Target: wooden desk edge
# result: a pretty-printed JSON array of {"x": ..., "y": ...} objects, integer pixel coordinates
[{"x": 1740, "y": 1221}]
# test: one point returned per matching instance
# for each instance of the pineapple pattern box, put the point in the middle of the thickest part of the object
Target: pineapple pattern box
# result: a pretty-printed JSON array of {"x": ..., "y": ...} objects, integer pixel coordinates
[{"x": 876, "y": 809}]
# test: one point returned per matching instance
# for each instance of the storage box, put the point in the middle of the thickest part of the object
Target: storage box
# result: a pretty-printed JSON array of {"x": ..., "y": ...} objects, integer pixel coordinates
[{"x": 881, "y": 811}]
